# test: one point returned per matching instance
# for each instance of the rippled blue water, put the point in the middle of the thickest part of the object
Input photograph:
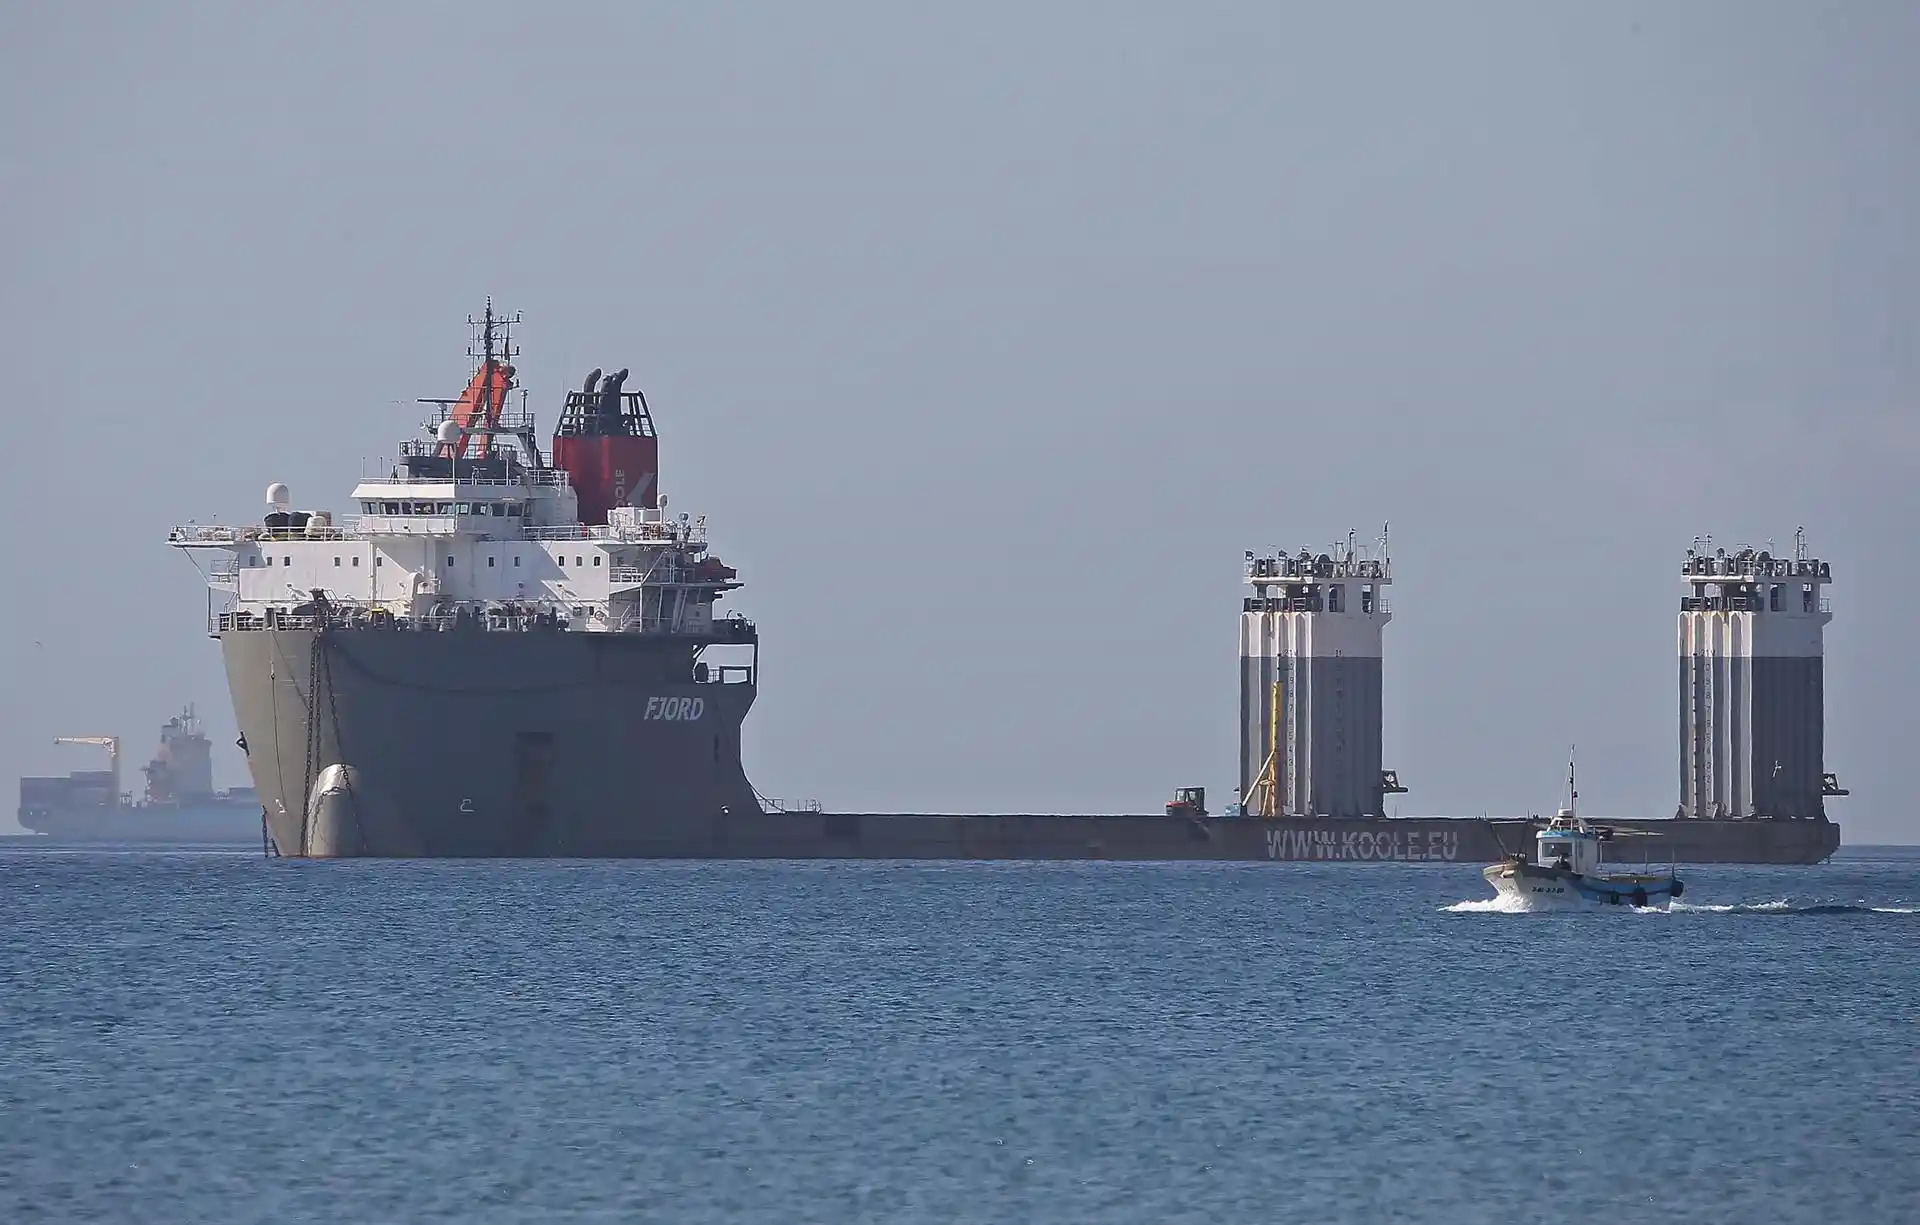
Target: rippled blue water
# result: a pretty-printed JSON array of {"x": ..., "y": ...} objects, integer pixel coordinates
[{"x": 208, "y": 1037}]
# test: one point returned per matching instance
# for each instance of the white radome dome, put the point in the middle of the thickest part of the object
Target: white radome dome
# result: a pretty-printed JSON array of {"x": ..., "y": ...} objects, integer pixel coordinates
[
  {"x": 277, "y": 495},
  {"x": 449, "y": 432}
]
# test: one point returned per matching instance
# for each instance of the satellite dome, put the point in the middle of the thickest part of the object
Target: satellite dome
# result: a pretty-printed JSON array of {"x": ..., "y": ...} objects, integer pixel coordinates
[
  {"x": 277, "y": 495},
  {"x": 449, "y": 432}
]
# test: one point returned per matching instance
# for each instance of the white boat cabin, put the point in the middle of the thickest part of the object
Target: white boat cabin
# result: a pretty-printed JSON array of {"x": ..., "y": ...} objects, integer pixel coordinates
[{"x": 1568, "y": 843}]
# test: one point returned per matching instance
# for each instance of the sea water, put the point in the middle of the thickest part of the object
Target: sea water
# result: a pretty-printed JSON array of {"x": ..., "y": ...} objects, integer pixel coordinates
[{"x": 211, "y": 1037}]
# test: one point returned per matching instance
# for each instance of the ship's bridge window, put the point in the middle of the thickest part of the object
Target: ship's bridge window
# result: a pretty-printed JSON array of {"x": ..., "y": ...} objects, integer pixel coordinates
[
  {"x": 443, "y": 508},
  {"x": 392, "y": 508},
  {"x": 1557, "y": 849},
  {"x": 465, "y": 508}
]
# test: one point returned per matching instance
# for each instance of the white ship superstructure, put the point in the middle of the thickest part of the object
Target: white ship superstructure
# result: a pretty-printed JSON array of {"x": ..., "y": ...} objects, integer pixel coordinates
[
  {"x": 464, "y": 530},
  {"x": 426, "y": 551}
]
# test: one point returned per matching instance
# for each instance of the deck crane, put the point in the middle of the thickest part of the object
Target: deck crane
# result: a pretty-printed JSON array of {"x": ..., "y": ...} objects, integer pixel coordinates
[{"x": 112, "y": 745}]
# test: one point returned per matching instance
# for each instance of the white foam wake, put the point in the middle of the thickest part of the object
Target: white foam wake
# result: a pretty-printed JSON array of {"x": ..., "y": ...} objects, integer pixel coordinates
[
  {"x": 1505, "y": 903},
  {"x": 1508, "y": 903},
  {"x": 1788, "y": 907}
]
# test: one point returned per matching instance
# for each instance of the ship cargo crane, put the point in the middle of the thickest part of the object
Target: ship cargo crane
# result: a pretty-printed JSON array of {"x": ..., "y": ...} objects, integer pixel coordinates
[
  {"x": 112, "y": 745},
  {"x": 479, "y": 407}
]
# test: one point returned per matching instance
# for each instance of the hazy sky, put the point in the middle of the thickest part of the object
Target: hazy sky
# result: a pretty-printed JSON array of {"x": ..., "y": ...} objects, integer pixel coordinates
[{"x": 989, "y": 336}]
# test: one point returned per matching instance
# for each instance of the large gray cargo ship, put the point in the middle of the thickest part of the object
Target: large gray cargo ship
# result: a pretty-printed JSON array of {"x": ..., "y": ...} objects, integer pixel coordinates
[
  {"x": 178, "y": 804},
  {"x": 510, "y": 653}
]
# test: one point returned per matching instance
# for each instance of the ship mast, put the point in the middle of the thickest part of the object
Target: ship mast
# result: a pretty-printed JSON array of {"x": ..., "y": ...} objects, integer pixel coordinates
[{"x": 477, "y": 412}]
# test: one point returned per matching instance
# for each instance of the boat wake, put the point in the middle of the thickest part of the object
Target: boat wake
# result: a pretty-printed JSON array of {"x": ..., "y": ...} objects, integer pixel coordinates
[
  {"x": 1516, "y": 905},
  {"x": 1506, "y": 903},
  {"x": 1789, "y": 907}
]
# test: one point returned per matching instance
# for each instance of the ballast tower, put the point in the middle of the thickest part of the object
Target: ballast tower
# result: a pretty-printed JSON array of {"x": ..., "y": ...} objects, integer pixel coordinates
[
  {"x": 1310, "y": 684},
  {"x": 1751, "y": 705}
]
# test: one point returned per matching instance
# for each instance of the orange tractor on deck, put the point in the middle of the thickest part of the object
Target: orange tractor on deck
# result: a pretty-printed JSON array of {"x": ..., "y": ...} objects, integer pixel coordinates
[{"x": 1188, "y": 802}]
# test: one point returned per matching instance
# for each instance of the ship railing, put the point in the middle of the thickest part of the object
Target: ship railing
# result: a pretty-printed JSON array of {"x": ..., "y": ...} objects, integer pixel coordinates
[
  {"x": 775, "y": 804},
  {"x": 241, "y": 620},
  {"x": 725, "y": 674},
  {"x": 474, "y": 527},
  {"x": 666, "y": 576},
  {"x": 405, "y": 525},
  {"x": 1752, "y": 567},
  {"x": 211, "y": 533},
  {"x": 1737, "y": 603},
  {"x": 526, "y": 476},
  {"x": 1361, "y": 603},
  {"x": 1281, "y": 569},
  {"x": 662, "y": 532},
  {"x": 475, "y": 620},
  {"x": 730, "y": 630},
  {"x": 516, "y": 618},
  {"x": 433, "y": 448},
  {"x": 511, "y": 420},
  {"x": 221, "y": 535}
]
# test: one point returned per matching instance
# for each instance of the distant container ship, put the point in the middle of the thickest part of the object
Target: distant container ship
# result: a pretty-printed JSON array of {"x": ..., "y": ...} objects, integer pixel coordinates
[
  {"x": 507, "y": 652},
  {"x": 179, "y": 804}
]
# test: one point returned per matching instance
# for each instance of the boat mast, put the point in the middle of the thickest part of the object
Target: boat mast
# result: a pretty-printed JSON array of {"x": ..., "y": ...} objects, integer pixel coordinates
[{"x": 1573, "y": 796}]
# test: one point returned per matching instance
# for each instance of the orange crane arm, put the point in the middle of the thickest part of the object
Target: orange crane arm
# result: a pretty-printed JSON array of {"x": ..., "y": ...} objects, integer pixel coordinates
[{"x": 481, "y": 403}]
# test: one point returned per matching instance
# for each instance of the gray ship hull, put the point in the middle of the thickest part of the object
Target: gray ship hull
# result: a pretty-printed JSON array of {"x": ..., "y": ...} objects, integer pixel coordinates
[
  {"x": 208, "y": 823},
  {"x": 473, "y": 744},
  {"x": 476, "y": 743}
]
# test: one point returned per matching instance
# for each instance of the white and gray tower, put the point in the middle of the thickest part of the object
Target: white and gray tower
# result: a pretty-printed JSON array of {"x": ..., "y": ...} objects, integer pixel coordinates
[
  {"x": 1310, "y": 713},
  {"x": 1751, "y": 706}
]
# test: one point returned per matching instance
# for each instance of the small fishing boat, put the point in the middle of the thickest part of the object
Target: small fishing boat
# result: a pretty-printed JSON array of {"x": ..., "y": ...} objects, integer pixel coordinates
[{"x": 1565, "y": 869}]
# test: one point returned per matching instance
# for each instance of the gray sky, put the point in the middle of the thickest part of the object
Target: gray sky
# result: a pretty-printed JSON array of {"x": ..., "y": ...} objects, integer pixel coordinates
[{"x": 989, "y": 337}]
